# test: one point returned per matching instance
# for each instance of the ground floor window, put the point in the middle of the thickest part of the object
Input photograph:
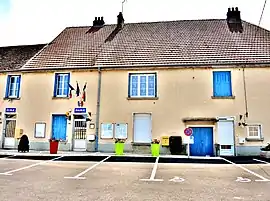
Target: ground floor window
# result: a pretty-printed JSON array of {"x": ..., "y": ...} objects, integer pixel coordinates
[
  {"x": 254, "y": 131},
  {"x": 142, "y": 128}
]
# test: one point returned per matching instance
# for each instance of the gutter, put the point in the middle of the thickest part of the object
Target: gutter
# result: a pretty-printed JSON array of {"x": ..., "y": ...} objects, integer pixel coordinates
[
  {"x": 98, "y": 109},
  {"x": 154, "y": 66}
]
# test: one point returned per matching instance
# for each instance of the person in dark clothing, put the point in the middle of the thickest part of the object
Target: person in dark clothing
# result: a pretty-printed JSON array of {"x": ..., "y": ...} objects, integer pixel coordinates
[{"x": 23, "y": 144}]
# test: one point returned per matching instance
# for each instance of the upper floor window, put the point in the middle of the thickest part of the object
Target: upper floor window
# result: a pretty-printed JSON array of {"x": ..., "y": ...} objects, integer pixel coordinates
[
  {"x": 13, "y": 86},
  {"x": 142, "y": 85},
  {"x": 222, "y": 86},
  {"x": 61, "y": 86},
  {"x": 254, "y": 131}
]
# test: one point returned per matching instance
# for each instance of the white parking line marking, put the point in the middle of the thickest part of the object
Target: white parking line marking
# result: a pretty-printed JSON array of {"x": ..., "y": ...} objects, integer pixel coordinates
[
  {"x": 154, "y": 171},
  {"x": 29, "y": 166},
  {"x": 249, "y": 171},
  {"x": 78, "y": 176},
  {"x": 241, "y": 179},
  {"x": 177, "y": 179},
  {"x": 261, "y": 161}
]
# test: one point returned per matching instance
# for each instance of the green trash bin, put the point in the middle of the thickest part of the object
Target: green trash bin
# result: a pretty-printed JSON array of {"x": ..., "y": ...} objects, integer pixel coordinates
[
  {"x": 119, "y": 148},
  {"x": 155, "y": 149}
]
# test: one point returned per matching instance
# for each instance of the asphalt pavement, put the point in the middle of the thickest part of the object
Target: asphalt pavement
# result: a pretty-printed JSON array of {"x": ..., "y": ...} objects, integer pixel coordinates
[{"x": 105, "y": 180}]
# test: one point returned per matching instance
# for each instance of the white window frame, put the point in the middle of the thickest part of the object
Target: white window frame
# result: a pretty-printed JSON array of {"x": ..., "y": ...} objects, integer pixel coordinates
[
  {"x": 16, "y": 86},
  {"x": 139, "y": 75},
  {"x": 63, "y": 84},
  {"x": 259, "y": 136}
]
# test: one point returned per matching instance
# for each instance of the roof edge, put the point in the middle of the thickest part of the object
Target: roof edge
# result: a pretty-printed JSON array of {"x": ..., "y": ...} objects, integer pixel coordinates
[
  {"x": 150, "y": 22},
  {"x": 155, "y": 66}
]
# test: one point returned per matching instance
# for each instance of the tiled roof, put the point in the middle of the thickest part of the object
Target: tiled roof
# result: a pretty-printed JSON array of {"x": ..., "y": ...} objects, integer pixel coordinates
[
  {"x": 189, "y": 42},
  {"x": 15, "y": 57}
]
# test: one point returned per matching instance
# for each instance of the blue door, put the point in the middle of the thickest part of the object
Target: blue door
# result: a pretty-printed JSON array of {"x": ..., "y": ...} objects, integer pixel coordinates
[
  {"x": 59, "y": 127},
  {"x": 203, "y": 142}
]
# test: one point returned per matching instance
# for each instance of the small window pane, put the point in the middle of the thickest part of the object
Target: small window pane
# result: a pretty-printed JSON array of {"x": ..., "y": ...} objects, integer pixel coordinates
[
  {"x": 13, "y": 86},
  {"x": 143, "y": 85},
  {"x": 134, "y": 86},
  {"x": 151, "y": 85}
]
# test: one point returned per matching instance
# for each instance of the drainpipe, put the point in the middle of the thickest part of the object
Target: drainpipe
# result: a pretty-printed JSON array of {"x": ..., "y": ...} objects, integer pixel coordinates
[
  {"x": 98, "y": 108},
  {"x": 245, "y": 94}
]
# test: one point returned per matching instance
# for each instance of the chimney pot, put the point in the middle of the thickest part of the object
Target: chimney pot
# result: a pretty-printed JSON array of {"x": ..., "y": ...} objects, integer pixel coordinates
[{"x": 102, "y": 21}]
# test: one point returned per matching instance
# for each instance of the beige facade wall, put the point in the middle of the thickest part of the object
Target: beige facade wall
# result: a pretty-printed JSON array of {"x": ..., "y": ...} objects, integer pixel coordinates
[
  {"x": 37, "y": 104},
  {"x": 182, "y": 93},
  {"x": 187, "y": 93}
]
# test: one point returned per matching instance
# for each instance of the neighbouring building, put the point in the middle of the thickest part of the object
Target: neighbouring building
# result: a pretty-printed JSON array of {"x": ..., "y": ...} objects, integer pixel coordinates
[
  {"x": 141, "y": 81},
  {"x": 12, "y": 58}
]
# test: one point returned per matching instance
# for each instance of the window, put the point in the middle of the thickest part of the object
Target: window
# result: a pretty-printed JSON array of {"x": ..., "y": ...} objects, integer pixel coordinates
[
  {"x": 61, "y": 84},
  {"x": 254, "y": 131},
  {"x": 142, "y": 85},
  {"x": 222, "y": 86},
  {"x": 13, "y": 86}
]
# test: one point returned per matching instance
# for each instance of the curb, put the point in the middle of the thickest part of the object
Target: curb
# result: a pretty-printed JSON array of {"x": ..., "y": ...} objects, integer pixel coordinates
[{"x": 139, "y": 159}]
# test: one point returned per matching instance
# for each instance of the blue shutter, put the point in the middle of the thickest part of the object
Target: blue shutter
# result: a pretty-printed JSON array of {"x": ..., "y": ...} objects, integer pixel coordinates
[
  {"x": 66, "y": 82},
  {"x": 18, "y": 84},
  {"x": 7, "y": 86},
  {"x": 129, "y": 85},
  {"x": 222, "y": 83},
  {"x": 55, "y": 85},
  {"x": 155, "y": 84}
]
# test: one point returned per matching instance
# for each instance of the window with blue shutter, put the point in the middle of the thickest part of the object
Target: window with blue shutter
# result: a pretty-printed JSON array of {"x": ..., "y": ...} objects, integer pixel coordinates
[
  {"x": 222, "y": 86},
  {"x": 13, "y": 86},
  {"x": 61, "y": 86},
  {"x": 142, "y": 85}
]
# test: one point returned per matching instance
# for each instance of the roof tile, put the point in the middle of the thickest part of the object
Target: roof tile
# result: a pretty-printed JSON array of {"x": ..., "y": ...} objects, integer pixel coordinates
[{"x": 157, "y": 43}]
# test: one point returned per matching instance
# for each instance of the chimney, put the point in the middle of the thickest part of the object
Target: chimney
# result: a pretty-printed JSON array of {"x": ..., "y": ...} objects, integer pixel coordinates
[
  {"x": 98, "y": 22},
  {"x": 234, "y": 21},
  {"x": 95, "y": 22},
  {"x": 120, "y": 20},
  {"x": 102, "y": 21}
]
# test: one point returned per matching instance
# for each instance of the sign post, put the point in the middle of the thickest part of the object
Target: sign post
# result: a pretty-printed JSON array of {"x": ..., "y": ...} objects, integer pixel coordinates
[{"x": 188, "y": 132}]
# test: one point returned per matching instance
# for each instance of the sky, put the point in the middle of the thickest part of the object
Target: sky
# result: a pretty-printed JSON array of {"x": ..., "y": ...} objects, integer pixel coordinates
[{"x": 27, "y": 22}]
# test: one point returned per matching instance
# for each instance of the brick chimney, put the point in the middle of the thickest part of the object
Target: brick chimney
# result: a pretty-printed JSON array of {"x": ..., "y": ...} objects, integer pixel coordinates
[
  {"x": 234, "y": 21},
  {"x": 120, "y": 20},
  {"x": 98, "y": 22}
]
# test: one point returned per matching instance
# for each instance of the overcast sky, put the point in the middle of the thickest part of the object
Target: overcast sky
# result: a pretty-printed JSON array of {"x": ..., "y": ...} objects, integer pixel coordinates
[{"x": 40, "y": 21}]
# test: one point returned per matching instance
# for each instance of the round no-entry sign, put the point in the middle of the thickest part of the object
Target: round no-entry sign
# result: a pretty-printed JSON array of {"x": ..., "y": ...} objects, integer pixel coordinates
[{"x": 188, "y": 131}]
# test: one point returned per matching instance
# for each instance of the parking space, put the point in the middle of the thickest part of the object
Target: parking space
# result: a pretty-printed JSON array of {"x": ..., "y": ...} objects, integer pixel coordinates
[
  {"x": 10, "y": 164},
  {"x": 83, "y": 180}
]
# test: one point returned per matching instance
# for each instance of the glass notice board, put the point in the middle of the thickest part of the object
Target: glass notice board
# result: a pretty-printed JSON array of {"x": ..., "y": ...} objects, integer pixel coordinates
[{"x": 121, "y": 130}]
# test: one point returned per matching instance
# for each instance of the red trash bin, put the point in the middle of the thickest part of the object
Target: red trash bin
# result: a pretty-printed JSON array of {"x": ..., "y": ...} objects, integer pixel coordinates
[{"x": 53, "y": 147}]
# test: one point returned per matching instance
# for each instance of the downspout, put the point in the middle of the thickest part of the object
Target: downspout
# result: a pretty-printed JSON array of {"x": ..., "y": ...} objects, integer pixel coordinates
[
  {"x": 98, "y": 108},
  {"x": 245, "y": 94}
]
